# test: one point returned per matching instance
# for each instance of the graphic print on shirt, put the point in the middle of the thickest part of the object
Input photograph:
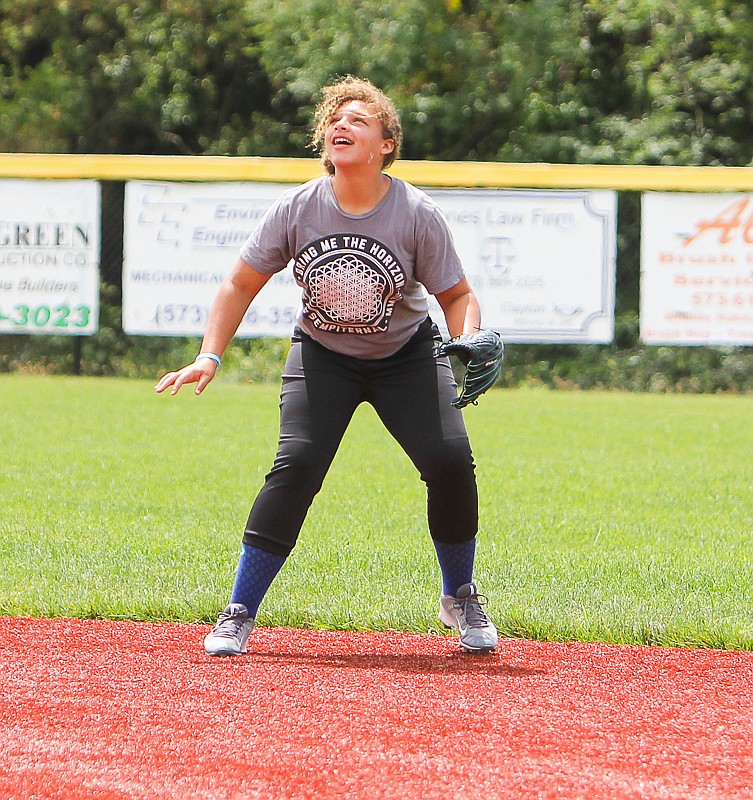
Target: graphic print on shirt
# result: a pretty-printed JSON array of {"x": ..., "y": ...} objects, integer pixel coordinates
[{"x": 351, "y": 283}]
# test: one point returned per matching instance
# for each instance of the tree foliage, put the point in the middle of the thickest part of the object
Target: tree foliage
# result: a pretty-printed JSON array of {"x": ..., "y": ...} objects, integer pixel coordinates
[
  {"x": 107, "y": 76},
  {"x": 561, "y": 81},
  {"x": 595, "y": 81}
]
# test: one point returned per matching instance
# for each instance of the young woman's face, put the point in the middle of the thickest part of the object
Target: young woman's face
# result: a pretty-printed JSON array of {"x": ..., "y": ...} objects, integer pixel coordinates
[{"x": 355, "y": 137}]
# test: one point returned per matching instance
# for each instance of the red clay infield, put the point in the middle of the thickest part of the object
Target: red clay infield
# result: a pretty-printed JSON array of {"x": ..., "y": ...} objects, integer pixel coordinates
[{"x": 116, "y": 710}]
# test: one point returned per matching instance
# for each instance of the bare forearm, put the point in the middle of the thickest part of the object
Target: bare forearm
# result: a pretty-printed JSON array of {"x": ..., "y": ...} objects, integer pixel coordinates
[
  {"x": 225, "y": 316},
  {"x": 233, "y": 298},
  {"x": 463, "y": 316},
  {"x": 461, "y": 309}
]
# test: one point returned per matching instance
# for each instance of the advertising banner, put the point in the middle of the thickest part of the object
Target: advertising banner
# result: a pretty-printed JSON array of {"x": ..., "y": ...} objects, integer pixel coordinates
[
  {"x": 697, "y": 269},
  {"x": 541, "y": 262},
  {"x": 49, "y": 256},
  {"x": 180, "y": 241}
]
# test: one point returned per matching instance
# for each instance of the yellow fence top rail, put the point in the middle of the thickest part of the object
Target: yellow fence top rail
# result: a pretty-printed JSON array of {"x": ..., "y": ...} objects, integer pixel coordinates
[{"x": 422, "y": 173}]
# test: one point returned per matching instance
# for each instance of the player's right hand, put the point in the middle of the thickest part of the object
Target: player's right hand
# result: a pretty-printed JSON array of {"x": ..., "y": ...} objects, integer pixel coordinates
[{"x": 199, "y": 372}]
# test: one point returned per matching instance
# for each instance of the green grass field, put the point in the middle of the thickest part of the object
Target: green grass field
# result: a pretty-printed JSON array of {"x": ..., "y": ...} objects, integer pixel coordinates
[{"x": 604, "y": 517}]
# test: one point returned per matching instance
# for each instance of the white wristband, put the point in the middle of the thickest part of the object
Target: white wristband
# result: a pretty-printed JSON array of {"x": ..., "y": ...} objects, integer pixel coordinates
[{"x": 217, "y": 360}]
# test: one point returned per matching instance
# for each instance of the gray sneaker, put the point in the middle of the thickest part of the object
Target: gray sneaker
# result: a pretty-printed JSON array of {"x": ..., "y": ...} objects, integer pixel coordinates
[
  {"x": 466, "y": 612},
  {"x": 230, "y": 634}
]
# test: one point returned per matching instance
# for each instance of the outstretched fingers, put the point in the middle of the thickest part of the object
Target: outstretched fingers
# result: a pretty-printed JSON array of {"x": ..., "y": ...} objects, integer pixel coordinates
[{"x": 200, "y": 374}]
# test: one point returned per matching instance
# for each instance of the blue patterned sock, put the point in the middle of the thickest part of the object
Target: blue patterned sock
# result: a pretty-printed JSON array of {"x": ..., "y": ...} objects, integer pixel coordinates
[
  {"x": 456, "y": 563},
  {"x": 256, "y": 571}
]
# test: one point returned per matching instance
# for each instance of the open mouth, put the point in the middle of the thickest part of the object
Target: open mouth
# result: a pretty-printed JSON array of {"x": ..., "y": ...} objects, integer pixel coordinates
[{"x": 341, "y": 140}]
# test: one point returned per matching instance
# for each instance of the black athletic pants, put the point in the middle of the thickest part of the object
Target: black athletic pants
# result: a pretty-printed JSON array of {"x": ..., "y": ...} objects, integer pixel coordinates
[{"x": 410, "y": 391}]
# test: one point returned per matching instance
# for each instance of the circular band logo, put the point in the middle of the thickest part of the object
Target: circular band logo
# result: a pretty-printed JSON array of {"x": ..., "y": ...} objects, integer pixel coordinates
[{"x": 350, "y": 283}]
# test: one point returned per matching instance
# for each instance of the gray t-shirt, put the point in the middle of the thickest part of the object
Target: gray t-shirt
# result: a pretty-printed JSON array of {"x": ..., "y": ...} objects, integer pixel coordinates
[{"x": 362, "y": 274}]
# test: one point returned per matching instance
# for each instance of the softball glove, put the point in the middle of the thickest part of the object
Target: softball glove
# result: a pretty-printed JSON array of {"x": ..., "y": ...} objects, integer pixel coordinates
[{"x": 482, "y": 353}]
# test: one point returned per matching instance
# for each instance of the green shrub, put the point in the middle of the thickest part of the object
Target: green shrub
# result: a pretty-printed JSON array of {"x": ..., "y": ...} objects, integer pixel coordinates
[{"x": 625, "y": 365}]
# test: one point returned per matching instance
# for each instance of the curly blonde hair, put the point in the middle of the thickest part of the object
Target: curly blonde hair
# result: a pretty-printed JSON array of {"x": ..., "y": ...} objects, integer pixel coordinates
[{"x": 345, "y": 91}]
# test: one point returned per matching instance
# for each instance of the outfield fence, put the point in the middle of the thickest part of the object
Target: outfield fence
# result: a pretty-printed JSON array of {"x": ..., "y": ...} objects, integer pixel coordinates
[
  {"x": 462, "y": 174},
  {"x": 114, "y": 172}
]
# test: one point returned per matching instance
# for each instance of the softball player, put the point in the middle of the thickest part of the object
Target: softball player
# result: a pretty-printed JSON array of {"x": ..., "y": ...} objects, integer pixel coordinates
[{"x": 363, "y": 247}]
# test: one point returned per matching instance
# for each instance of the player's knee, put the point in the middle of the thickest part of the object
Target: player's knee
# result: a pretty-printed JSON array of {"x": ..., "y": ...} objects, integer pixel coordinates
[
  {"x": 301, "y": 465},
  {"x": 450, "y": 464}
]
